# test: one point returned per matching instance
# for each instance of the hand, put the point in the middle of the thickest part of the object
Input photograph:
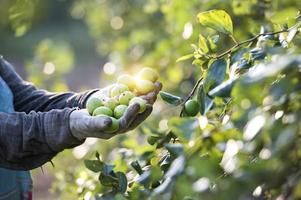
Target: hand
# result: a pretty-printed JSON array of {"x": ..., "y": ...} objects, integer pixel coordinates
[{"x": 83, "y": 125}]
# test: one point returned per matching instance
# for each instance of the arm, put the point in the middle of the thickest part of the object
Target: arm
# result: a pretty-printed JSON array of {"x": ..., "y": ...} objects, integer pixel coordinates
[
  {"x": 29, "y": 140},
  {"x": 28, "y": 98}
]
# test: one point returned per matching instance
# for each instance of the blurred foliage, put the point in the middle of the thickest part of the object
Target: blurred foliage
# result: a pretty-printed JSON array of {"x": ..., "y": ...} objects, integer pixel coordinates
[
  {"x": 52, "y": 60},
  {"x": 243, "y": 68}
]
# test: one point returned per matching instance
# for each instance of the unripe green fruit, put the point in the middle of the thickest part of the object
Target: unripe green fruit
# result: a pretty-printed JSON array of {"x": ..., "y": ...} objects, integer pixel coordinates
[
  {"x": 144, "y": 86},
  {"x": 102, "y": 110},
  {"x": 191, "y": 107},
  {"x": 140, "y": 101},
  {"x": 119, "y": 111},
  {"x": 114, "y": 126},
  {"x": 118, "y": 89},
  {"x": 92, "y": 104},
  {"x": 127, "y": 80},
  {"x": 148, "y": 74},
  {"x": 110, "y": 103},
  {"x": 125, "y": 97}
]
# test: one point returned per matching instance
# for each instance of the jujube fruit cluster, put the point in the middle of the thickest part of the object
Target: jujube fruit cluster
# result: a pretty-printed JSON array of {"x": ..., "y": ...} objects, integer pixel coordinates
[{"x": 122, "y": 94}]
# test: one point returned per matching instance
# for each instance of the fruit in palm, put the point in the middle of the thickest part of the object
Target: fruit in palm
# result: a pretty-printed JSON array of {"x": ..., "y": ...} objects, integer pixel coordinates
[
  {"x": 148, "y": 74},
  {"x": 110, "y": 103},
  {"x": 119, "y": 111},
  {"x": 102, "y": 110},
  {"x": 118, "y": 89},
  {"x": 140, "y": 101},
  {"x": 127, "y": 80},
  {"x": 114, "y": 126},
  {"x": 191, "y": 107},
  {"x": 92, "y": 104},
  {"x": 144, "y": 86},
  {"x": 125, "y": 97}
]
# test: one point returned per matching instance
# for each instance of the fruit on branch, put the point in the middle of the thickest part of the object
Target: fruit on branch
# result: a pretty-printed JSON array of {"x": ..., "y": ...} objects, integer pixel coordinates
[
  {"x": 127, "y": 80},
  {"x": 140, "y": 101},
  {"x": 191, "y": 107},
  {"x": 119, "y": 111},
  {"x": 102, "y": 110},
  {"x": 92, "y": 104}
]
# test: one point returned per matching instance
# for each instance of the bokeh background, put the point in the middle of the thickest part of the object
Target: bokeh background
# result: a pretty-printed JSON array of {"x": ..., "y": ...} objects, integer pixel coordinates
[{"x": 62, "y": 45}]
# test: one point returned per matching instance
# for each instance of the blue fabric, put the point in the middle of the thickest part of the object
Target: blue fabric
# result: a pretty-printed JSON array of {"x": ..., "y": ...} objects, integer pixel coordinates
[{"x": 14, "y": 185}]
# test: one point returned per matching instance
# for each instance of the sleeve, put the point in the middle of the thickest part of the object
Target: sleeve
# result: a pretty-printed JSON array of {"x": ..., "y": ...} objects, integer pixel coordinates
[
  {"x": 29, "y": 140},
  {"x": 28, "y": 98}
]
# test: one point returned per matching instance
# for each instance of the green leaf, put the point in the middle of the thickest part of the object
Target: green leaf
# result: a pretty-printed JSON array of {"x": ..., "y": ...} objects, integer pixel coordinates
[
  {"x": 218, "y": 20},
  {"x": 216, "y": 74},
  {"x": 184, "y": 128},
  {"x": 177, "y": 167},
  {"x": 135, "y": 164},
  {"x": 94, "y": 165},
  {"x": 108, "y": 180},
  {"x": 212, "y": 42},
  {"x": 122, "y": 182},
  {"x": 204, "y": 101},
  {"x": 170, "y": 98},
  {"x": 203, "y": 44},
  {"x": 174, "y": 149},
  {"x": 186, "y": 57},
  {"x": 223, "y": 90}
]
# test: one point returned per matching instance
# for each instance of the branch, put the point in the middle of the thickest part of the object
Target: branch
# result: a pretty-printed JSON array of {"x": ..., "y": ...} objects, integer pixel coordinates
[{"x": 253, "y": 39}]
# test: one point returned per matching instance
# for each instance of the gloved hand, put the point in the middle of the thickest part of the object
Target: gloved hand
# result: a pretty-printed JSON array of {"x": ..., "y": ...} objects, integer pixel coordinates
[{"x": 83, "y": 125}]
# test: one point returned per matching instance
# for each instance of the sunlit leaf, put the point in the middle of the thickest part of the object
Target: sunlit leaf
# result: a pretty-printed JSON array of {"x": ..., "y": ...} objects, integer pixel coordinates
[
  {"x": 203, "y": 44},
  {"x": 186, "y": 57},
  {"x": 218, "y": 20}
]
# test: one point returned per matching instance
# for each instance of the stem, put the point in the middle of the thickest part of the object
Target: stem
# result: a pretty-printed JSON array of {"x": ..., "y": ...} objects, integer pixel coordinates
[
  {"x": 234, "y": 40},
  {"x": 251, "y": 40}
]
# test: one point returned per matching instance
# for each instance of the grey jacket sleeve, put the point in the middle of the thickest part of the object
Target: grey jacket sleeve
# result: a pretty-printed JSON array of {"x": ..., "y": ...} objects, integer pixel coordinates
[
  {"x": 29, "y": 140},
  {"x": 39, "y": 128}
]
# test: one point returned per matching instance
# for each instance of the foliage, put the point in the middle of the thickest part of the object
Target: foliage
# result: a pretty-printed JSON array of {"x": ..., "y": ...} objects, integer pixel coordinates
[
  {"x": 249, "y": 104},
  {"x": 245, "y": 75}
]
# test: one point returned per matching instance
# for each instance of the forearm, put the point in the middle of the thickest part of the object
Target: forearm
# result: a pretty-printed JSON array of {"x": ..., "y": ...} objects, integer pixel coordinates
[
  {"x": 29, "y": 140},
  {"x": 27, "y": 97}
]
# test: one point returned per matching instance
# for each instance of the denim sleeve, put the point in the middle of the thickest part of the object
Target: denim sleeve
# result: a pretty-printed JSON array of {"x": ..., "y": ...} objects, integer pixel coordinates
[{"x": 28, "y": 98}]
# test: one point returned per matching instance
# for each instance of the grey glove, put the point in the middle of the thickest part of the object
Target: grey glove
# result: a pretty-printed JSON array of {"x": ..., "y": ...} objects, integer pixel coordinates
[{"x": 83, "y": 125}]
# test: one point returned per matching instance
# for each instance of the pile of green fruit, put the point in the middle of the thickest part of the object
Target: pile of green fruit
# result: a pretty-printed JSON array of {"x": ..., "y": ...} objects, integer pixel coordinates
[{"x": 124, "y": 93}]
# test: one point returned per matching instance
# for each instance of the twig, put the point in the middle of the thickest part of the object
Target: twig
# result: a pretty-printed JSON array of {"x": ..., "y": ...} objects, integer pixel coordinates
[{"x": 253, "y": 39}]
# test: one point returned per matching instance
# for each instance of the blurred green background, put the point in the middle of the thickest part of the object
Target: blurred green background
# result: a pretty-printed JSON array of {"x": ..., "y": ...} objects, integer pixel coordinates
[{"x": 62, "y": 45}]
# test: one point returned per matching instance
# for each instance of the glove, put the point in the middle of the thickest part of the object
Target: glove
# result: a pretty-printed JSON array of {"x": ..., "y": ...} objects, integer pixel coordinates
[{"x": 83, "y": 125}]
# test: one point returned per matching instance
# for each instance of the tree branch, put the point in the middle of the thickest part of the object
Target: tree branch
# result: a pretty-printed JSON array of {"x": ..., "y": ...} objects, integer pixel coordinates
[{"x": 253, "y": 39}]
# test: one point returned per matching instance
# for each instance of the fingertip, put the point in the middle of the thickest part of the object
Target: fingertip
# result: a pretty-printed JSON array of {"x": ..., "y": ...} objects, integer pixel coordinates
[
  {"x": 135, "y": 107},
  {"x": 158, "y": 86},
  {"x": 104, "y": 121}
]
